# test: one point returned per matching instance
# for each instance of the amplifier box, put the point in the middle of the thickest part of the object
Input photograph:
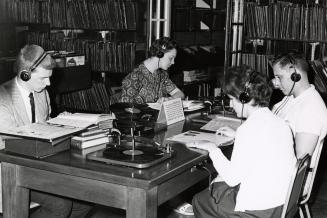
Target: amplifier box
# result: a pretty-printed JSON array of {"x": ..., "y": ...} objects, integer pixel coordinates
[{"x": 70, "y": 60}]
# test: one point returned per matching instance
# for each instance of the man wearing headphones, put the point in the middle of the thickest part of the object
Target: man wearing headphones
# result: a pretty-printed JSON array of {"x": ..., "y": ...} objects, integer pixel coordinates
[
  {"x": 302, "y": 107},
  {"x": 150, "y": 82},
  {"x": 263, "y": 151},
  {"x": 24, "y": 100}
]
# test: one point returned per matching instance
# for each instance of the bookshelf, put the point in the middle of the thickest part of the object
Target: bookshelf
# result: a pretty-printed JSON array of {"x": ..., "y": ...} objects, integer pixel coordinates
[
  {"x": 199, "y": 27},
  {"x": 273, "y": 27},
  {"x": 263, "y": 29},
  {"x": 111, "y": 34}
]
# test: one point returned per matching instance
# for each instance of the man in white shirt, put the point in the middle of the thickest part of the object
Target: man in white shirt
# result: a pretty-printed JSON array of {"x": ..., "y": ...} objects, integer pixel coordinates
[
  {"x": 24, "y": 100},
  {"x": 302, "y": 107},
  {"x": 254, "y": 182}
]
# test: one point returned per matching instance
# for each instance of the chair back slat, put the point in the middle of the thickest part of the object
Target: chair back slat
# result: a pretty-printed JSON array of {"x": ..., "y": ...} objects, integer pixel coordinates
[{"x": 291, "y": 205}]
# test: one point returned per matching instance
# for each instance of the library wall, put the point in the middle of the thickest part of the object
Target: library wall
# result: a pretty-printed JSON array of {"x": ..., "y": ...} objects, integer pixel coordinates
[
  {"x": 198, "y": 26},
  {"x": 110, "y": 34},
  {"x": 276, "y": 27}
]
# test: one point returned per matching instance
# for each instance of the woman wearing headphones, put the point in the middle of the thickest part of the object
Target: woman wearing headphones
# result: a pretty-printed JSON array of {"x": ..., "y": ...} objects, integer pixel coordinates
[
  {"x": 254, "y": 182},
  {"x": 149, "y": 82}
]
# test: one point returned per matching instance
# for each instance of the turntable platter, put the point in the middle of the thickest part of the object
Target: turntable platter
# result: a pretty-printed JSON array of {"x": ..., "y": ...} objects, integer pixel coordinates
[{"x": 117, "y": 155}]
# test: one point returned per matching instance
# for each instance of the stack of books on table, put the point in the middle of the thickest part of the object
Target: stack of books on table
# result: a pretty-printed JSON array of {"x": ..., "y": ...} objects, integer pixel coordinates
[{"x": 89, "y": 141}]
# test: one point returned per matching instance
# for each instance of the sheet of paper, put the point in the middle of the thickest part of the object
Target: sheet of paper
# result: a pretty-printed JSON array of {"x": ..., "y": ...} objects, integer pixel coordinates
[
  {"x": 191, "y": 105},
  {"x": 43, "y": 131},
  {"x": 155, "y": 106},
  {"x": 219, "y": 121},
  {"x": 191, "y": 136},
  {"x": 81, "y": 120}
]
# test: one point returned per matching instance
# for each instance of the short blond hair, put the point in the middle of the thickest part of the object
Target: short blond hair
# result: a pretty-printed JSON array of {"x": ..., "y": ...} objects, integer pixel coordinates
[{"x": 27, "y": 57}]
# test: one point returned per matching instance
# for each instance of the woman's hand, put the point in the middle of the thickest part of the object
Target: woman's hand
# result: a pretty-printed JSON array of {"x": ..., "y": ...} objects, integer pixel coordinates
[{"x": 226, "y": 131}]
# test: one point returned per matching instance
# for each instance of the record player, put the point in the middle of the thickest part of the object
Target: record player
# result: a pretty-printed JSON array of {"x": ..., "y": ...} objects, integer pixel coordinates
[
  {"x": 137, "y": 152},
  {"x": 131, "y": 149},
  {"x": 140, "y": 117}
]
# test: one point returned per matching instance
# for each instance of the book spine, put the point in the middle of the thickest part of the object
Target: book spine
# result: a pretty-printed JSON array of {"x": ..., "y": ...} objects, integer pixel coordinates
[{"x": 82, "y": 145}]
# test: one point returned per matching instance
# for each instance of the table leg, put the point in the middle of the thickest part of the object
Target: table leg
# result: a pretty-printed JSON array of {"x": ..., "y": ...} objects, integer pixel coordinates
[
  {"x": 142, "y": 203},
  {"x": 15, "y": 198}
]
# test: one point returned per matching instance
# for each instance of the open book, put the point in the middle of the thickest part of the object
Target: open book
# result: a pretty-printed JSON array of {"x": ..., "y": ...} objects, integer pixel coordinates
[
  {"x": 191, "y": 136},
  {"x": 81, "y": 120},
  {"x": 220, "y": 121},
  {"x": 41, "y": 131}
]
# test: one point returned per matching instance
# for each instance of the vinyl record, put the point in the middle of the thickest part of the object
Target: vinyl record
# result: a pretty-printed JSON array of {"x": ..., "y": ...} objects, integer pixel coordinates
[
  {"x": 128, "y": 107},
  {"x": 133, "y": 112},
  {"x": 147, "y": 154}
]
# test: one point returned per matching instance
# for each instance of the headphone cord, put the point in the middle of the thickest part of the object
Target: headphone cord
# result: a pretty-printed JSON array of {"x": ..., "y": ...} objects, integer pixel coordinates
[
  {"x": 242, "y": 113},
  {"x": 286, "y": 100},
  {"x": 159, "y": 85}
]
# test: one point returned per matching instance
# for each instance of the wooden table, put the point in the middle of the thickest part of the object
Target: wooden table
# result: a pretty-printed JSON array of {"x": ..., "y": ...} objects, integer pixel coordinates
[{"x": 139, "y": 192}]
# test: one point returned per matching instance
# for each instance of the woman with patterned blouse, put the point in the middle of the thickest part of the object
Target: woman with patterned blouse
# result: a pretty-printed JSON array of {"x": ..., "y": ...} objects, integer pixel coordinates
[{"x": 149, "y": 82}]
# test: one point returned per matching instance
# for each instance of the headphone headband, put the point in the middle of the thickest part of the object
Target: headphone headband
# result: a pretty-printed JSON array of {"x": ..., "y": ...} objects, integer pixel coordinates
[
  {"x": 25, "y": 75},
  {"x": 38, "y": 61}
]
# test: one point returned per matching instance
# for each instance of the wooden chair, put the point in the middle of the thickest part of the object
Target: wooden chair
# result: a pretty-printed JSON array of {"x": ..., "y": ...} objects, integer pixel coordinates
[
  {"x": 294, "y": 193},
  {"x": 304, "y": 199}
]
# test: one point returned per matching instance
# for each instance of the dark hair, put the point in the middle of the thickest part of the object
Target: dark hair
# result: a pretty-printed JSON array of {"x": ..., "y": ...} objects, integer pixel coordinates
[
  {"x": 243, "y": 78},
  {"x": 293, "y": 58},
  {"x": 27, "y": 57},
  {"x": 162, "y": 45}
]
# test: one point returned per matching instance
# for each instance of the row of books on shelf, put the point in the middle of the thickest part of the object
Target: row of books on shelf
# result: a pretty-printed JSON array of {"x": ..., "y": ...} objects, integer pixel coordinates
[
  {"x": 95, "y": 14},
  {"x": 112, "y": 56},
  {"x": 94, "y": 99},
  {"x": 258, "y": 62},
  {"x": 103, "y": 55},
  {"x": 286, "y": 21}
]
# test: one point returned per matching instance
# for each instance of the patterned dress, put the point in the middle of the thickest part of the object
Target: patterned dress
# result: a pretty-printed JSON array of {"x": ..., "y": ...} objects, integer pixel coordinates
[{"x": 141, "y": 86}]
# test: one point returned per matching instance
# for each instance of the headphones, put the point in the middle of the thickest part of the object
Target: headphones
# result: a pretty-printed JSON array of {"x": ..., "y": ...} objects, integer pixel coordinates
[
  {"x": 245, "y": 96},
  {"x": 295, "y": 77},
  {"x": 25, "y": 75},
  {"x": 291, "y": 57}
]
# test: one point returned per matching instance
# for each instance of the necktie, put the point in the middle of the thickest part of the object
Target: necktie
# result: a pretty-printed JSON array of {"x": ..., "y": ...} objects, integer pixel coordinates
[{"x": 32, "y": 106}]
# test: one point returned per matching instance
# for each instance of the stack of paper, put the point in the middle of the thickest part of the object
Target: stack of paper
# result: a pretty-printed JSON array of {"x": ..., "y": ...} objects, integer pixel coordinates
[
  {"x": 83, "y": 120},
  {"x": 191, "y": 136},
  {"x": 192, "y": 105}
]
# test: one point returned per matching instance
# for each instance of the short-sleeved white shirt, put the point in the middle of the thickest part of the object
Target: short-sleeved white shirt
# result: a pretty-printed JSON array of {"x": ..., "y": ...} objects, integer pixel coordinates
[{"x": 306, "y": 113}]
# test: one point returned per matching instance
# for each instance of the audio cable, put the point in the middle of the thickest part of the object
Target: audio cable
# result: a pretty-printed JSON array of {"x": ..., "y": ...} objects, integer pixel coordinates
[{"x": 280, "y": 107}]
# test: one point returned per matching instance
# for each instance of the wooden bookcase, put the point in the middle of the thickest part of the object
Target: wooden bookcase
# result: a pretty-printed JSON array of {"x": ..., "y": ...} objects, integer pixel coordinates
[
  {"x": 199, "y": 27},
  {"x": 111, "y": 34},
  {"x": 263, "y": 29}
]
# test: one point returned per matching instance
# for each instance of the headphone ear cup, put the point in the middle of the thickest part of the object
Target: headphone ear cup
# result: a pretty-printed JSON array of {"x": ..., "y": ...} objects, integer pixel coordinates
[
  {"x": 25, "y": 75},
  {"x": 160, "y": 54},
  {"x": 244, "y": 97},
  {"x": 295, "y": 77}
]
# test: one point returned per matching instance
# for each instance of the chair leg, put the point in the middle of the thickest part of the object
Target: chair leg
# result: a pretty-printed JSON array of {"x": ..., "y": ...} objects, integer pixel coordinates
[
  {"x": 307, "y": 210},
  {"x": 301, "y": 212}
]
